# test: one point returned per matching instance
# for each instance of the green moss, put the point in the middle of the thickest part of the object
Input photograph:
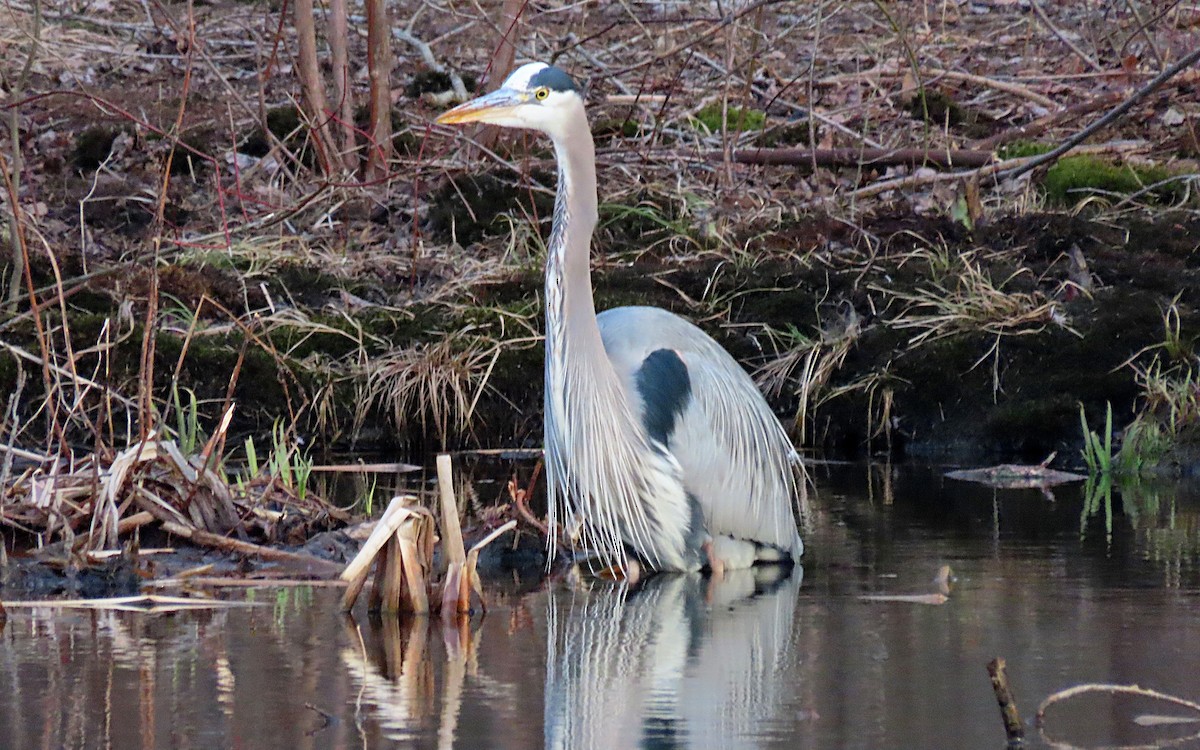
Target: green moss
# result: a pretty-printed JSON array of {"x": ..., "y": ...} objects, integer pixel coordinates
[
  {"x": 1022, "y": 149},
  {"x": 1077, "y": 177},
  {"x": 739, "y": 119}
]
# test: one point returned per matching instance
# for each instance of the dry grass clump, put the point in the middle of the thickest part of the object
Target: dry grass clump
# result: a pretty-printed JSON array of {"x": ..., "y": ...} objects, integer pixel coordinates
[
  {"x": 970, "y": 302},
  {"x": 435, "y": 384}
]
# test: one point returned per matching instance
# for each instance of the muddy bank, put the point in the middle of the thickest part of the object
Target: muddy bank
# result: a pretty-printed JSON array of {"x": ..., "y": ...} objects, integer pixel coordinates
[
  {"x": 165, "y": 562},
  {"x": 922, "y": 337}
]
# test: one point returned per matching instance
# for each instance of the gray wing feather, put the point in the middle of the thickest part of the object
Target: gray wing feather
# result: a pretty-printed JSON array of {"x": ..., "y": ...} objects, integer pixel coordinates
[{"x": 736, "y": 458}]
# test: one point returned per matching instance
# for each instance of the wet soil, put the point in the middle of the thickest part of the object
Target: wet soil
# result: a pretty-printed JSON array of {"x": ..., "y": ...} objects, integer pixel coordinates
[{"x": 970, "y": 396}]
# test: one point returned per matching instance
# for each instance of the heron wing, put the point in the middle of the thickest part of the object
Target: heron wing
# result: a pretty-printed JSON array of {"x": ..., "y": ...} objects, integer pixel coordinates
[{"x": 736, "y": 458}]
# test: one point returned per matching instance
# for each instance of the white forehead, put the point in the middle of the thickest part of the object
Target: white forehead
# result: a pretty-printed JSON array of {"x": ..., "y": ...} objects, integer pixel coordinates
[{"x": 521, "y": 77}]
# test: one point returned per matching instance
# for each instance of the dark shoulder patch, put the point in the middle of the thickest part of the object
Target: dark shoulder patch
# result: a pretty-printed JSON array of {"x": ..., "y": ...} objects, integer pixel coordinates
[
  {"x": 553, "y": 79},
  {"x": 666, "y": 389}
]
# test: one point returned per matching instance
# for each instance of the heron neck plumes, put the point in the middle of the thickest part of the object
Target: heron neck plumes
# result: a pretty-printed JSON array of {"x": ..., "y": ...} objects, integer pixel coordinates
[{"x": 600, "y": 466}]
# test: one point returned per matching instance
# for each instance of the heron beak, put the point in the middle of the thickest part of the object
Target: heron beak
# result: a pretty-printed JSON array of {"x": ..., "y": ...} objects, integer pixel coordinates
[{"x": 484, "y": 109}]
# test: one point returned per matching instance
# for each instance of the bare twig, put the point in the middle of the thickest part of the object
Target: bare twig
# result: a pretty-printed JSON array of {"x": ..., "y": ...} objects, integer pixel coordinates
[
  {"x": 1109, "y": 117},
  {"x": 308, "y": 563},
  {"x": 1041, "y": 14},
  {"x": 1111, "y": 689}
]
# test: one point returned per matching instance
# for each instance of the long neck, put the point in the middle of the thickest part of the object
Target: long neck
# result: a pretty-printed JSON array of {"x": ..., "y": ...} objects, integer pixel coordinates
[
  {"x": 600, "y": 467},
  {"x": 568, "y": 265}
]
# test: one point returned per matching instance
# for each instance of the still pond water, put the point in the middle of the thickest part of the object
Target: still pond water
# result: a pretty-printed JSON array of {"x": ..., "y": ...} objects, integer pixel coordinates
[{"x": 1067, "y": 589}]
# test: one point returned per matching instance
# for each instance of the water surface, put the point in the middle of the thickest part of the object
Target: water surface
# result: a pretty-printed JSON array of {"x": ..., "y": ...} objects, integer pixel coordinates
[{"x": 1067, "y": 588}]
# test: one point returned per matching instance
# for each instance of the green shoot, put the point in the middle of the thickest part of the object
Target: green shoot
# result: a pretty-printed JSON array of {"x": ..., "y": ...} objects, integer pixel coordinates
[{"x": 1097, "y": 451}]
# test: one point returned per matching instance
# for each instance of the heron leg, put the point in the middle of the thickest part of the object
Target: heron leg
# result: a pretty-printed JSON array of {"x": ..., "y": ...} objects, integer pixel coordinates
[
  {"x": 716, "y": 566},
  {"x": 726, "y": 553},
  {"x": 630, "y": 572}
]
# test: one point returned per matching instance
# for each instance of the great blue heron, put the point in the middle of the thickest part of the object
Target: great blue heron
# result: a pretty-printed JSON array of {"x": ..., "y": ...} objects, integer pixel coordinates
[{"x": 657, "y": 442}]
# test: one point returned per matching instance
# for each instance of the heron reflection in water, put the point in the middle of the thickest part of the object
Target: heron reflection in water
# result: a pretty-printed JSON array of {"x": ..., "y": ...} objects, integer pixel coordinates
[
  {"x": 659, "y": 447},
  {"x": 676, "y": 662}
]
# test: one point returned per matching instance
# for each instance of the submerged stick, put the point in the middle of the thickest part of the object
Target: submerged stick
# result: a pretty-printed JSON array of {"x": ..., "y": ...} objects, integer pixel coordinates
[
  {"x": 470, "y": 578},
  {"x": 1094, "y": 687},
  {"x": 997, "y": 670}
]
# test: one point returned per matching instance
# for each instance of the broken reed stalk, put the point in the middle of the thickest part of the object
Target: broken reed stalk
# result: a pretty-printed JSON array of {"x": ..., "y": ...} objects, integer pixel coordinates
[
  {"x": 462, "y": 576},
  {"x": 401, "y": 546},
  {"x": 456, "y": 596},
  {"x": 452, "y": 541},
  {"x": 397, "y": 512},
  {"x": 1013, "y": 729},
  {"x": 309, "y": 563}
]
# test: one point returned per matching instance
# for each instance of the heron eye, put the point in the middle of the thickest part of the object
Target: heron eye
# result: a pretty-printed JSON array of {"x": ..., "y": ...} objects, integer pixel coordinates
[{"x": 541, "y": 93}]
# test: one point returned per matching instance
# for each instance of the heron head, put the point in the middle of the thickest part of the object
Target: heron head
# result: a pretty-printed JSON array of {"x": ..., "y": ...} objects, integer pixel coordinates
[{"x": 536, "y": 96}]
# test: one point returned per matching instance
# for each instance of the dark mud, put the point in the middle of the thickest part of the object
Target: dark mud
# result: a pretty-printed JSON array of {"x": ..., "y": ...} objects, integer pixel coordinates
[
  {"x": 970, "y": 396},
  {"x": 515, "y": 563}
]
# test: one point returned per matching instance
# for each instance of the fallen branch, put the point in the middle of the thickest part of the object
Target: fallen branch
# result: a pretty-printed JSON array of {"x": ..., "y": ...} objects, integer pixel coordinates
[
  {"x": 1009, "y": 87},
  {"x": 314, "y": 565},
  {"x": 991, "y": 170},
  {"x": 865, "y": 157},
  {"x": 1042, "y": 124}
]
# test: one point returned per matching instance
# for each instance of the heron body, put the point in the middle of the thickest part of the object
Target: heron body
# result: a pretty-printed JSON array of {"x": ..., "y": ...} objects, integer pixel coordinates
[{"x": 657, "y": 442}]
